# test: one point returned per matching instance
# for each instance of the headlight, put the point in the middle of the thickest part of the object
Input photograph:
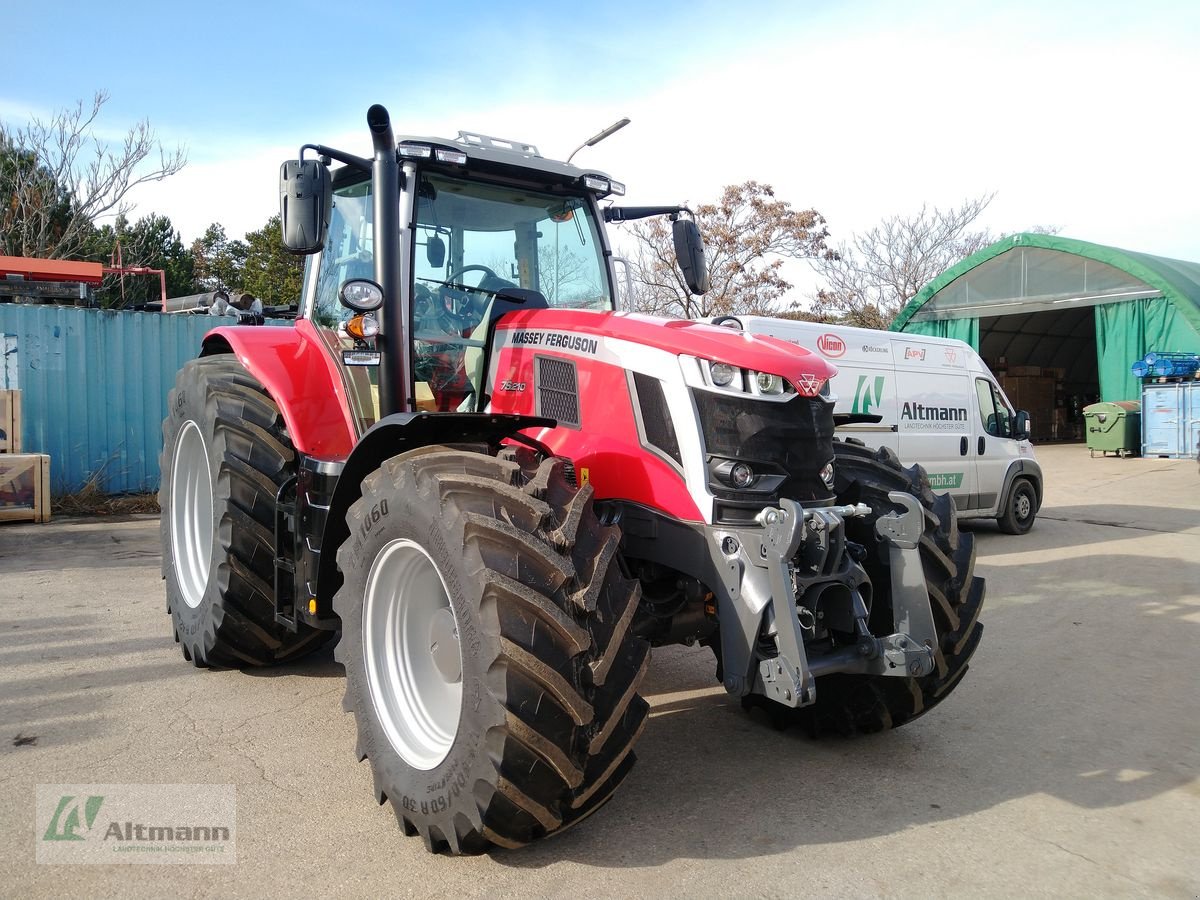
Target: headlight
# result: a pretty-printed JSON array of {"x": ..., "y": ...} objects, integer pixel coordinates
[
  {"x": 768, "y": 383},
  {"x": 722, "y": 374},
  {"x": 741, "y": 475}
]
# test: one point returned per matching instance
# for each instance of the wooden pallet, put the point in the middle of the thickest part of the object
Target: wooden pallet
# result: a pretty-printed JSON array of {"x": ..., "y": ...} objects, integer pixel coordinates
[
  {"x": 10, "y": 421},
  {"x": 24, "y": 487}
]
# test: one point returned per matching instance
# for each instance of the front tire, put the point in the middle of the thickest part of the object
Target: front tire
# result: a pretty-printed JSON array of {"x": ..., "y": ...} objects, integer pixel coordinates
[
  {"x": 489, "y": 662},
  {"x": 1020, "y": 509},
  {"x": 849, "y": 704},
  {"x": 225, "y": 454}
]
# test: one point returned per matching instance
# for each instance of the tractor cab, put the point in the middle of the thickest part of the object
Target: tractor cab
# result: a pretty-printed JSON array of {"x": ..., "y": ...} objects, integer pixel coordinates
[{"x": 477, "y": 216}]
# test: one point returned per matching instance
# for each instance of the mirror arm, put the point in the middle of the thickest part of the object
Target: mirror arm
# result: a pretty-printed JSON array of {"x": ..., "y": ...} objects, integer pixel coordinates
[
  {"x": 363, "y": 165},
  {"x": 629, "y": 213}
]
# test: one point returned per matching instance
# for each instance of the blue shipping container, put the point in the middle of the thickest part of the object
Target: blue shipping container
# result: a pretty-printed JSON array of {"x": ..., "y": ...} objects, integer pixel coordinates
[
  {"x": 94, "y": 389},
  {"x": 1171, "y": 419}
]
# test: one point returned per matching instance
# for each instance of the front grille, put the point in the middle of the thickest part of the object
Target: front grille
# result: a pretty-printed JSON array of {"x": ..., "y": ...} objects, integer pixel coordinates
[
  {"x": 656, "y": 417},
  {"x": 793, "y": 439},
  {"x": 557, "y": 390}
]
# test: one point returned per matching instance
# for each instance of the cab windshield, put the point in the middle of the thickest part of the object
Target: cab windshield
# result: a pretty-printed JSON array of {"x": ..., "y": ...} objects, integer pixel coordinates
[
  {"x": 471, "y": 240},
  {"x": 488, "y": 237}
]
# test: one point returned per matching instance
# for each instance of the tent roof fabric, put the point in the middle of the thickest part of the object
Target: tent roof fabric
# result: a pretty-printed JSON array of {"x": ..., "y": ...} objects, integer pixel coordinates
[{"x": 1178, "y": 280}]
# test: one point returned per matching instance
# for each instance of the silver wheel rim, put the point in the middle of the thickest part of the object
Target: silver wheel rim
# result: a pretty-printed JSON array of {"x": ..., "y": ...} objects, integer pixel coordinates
[
  {"x": 191, "y": 514},
  {"x": 1024, "y": 505},
  {"x": 413, "y": 660}
]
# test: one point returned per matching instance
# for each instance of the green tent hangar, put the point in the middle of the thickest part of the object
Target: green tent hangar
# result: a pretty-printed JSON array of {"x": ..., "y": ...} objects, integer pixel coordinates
[{"x": 1081, "y": 311}]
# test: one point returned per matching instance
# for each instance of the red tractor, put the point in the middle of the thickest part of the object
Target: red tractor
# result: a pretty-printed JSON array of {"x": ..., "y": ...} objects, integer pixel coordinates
[{"x": 496, "y": 493}]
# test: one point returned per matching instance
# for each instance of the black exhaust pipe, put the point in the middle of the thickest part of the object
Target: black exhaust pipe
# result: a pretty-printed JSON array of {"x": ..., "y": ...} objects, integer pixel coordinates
[{"x": 395, "y": 390}]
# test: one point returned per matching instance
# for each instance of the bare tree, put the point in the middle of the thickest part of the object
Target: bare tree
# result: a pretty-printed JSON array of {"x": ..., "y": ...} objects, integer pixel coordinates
[
  {"x": 57, "y": 177},
  {"x": 868, "y": 281},
  {"x": 747, "y": 235}
]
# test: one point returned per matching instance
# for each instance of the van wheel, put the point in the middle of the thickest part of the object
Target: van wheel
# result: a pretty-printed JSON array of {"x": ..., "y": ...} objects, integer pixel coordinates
[{"x": 1021, "y": 508}]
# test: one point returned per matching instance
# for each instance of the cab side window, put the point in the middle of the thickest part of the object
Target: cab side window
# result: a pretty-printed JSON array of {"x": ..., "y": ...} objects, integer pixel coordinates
[
  {"x": 347, "y": 252},
  {"x": 995, "y": 415},
  {"x": 1004, "y": 415}
]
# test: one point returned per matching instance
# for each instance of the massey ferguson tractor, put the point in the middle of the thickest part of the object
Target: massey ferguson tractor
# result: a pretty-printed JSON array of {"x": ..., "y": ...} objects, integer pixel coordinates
[{"x": 496, "y": 494}]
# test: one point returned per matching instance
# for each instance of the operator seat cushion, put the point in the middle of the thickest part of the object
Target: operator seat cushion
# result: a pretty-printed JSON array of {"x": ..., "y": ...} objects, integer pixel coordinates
[
  {"x": 494, "y": 284},
  {"x": 473, "y": 357}
]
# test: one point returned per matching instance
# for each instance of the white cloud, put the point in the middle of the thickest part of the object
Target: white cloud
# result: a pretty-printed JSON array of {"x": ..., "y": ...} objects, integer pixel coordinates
[{"x": 1075, "y": 122}]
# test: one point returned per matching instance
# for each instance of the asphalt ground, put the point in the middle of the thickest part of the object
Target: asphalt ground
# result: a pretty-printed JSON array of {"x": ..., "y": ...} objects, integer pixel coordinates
[{"x": 1065, "y": 765}]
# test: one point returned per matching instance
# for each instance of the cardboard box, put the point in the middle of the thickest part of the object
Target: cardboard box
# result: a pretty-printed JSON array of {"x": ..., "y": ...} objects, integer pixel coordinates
[
  {"x": 10, "y": 421},
  {"x": 24, "y": 487},
  {"x": 1024, "y": 371},
  {"x": 1029, "y": 393}
]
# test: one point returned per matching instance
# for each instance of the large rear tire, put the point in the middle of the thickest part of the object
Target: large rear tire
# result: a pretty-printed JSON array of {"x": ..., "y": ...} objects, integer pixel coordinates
[
  {"x": 849, "y": 704},
  {"x": 489, "y": 662},
  {"x": 225, "y": 454}
]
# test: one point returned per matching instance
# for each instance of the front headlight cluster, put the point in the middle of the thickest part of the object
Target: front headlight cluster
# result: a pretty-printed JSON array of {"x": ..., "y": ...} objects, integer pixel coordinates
[{"x": 748, "y": 381}]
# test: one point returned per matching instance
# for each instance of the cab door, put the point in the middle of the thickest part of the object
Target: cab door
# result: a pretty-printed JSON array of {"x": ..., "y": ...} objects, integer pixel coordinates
[{"x": 994, "y": 447}]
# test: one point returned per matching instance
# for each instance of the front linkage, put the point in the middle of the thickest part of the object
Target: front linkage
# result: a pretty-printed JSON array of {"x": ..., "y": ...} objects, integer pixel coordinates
[{"x": 803, "y": 555}]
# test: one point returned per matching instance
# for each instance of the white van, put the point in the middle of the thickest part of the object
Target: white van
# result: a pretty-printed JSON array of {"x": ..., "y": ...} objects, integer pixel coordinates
[{"x": 932, "y": 401}]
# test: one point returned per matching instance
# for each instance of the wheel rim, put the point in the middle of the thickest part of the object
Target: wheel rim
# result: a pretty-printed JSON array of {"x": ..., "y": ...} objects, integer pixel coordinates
[
  {"x": 191, "y": 514},
  {"x": 413, "y": 660},
  {"x": 1024, "y": 505}
]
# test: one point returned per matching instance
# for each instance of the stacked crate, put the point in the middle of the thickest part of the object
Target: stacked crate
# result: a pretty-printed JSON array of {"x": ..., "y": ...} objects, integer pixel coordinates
[
  {"x": 1032, "y": 388},
  {"x": 24, "y": 477}
]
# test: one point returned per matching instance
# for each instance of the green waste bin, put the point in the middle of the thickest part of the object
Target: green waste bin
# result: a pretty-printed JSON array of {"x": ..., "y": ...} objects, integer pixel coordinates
[{"x": 1114, "y": 427}]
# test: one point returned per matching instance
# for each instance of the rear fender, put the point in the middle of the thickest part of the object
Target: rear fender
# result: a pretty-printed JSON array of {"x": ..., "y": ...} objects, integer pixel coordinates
[
  {"x": 301, "y": 377},
  {"x": 390, "y": 437}
]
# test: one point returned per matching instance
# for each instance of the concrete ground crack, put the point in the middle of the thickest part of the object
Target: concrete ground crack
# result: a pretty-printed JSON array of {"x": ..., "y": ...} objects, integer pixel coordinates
[
  {"x": 1098, "y": 865},
  {"x": 1043, "y": 515},
  {"x": 262, "y": 773}
]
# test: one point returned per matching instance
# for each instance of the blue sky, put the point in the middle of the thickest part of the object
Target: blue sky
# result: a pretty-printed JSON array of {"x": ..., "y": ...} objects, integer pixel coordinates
[{"x": 1078, "y": 114}]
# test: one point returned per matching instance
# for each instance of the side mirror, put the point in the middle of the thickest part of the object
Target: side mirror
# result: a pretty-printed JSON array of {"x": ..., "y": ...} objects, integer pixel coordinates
[
  {"x": 1020, "y": 427},
  {"x": 689, "y": 251},
  {"x": 435, "y": 251},
  {"x": 305, "y": 200}
]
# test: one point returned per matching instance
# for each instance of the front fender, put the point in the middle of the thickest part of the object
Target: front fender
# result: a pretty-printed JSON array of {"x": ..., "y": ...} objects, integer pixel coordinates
[
  {"x": 302, "y": 378},
  {"x": 391, "y": 436},
  {"x": 1021, "y": 468}
]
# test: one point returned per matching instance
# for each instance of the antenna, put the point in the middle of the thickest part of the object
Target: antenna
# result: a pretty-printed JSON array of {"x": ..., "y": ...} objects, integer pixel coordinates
[{"x": 592, "y": 141}]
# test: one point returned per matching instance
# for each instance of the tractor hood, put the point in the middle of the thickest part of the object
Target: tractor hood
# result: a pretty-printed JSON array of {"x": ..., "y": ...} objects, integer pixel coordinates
[{"x": 806, "y": 371}]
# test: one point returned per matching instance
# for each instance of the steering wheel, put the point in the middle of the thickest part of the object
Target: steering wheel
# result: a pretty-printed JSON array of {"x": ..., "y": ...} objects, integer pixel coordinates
[{"x": 487, "y": 273}]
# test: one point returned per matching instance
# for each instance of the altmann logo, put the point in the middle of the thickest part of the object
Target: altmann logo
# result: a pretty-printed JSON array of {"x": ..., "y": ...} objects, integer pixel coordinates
[
  {"x": 831, "y": 345},
  {"x": 918, "y": 412},
  {"x": 73, "y": 818},
  {"x": 868, "y": 395},
  {"x": 135, "y": 824}
]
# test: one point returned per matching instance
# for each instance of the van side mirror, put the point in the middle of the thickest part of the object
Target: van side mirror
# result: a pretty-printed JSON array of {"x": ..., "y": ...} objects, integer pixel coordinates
[
  {"x": 1020, "y": 426},
  {"x": 305, "y": 201},
  {"x": 689, "y": 251}
]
